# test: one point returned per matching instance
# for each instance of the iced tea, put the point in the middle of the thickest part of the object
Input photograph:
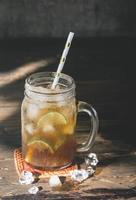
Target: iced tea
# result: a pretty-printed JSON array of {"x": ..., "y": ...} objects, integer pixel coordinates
[
  {"x": 49, "y": 120},
  {"x": 48, "y": 133}
]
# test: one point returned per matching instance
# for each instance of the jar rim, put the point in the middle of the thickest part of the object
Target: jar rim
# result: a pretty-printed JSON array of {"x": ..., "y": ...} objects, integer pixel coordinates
[{"x": 31, "y": 85}]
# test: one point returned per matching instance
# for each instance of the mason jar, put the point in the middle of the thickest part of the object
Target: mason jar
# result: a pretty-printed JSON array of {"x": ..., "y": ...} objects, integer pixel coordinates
[{"x": 49, "y": 120}]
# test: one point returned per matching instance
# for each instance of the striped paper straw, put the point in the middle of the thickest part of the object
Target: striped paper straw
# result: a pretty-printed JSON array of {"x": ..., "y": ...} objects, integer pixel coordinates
[{"x": 63, "y": 59}]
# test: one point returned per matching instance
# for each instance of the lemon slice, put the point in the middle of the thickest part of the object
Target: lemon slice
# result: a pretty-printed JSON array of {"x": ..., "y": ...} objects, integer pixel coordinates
[
  {"x": 40, "y": 145},
  {"x": 53, "y": 118}
]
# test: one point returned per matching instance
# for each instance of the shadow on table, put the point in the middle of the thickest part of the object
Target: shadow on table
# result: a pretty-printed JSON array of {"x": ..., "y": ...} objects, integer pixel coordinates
[{"x": 95, "y": 194}]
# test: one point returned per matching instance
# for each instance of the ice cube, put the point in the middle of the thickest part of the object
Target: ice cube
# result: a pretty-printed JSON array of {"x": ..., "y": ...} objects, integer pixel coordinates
[
  {"x": 33, "y": 190},
  {"x": 30, "y": 128},
  {"x": 26, "y": 177},
  {"x": 90, "y": 170},
  {"x": 32, "y": 111},
  {"x": 79, "y": 175},
  {"x": 54, "y": 181},
  {"x": 48, "y": 128},
  {"x": 91, "y": 160}
]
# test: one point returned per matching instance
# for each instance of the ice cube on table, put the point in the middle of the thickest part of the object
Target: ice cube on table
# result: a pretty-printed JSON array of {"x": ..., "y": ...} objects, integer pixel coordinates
[
  {"x": 54, "y": 181},
  {"x": 90, "y": 170},
  {"x": 33, "y": 190},
  {"x": 79, "y": 175},
  {"x": 91, "y": 160},
  {"x": 26, "y": 177}
]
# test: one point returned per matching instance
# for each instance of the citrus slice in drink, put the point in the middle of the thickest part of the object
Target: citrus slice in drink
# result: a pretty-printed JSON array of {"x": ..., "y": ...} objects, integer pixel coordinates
[
  {"x": 52, "y": 124},
  {"x": 55, "y": 119},
  {"x": 40, "y": 145}
]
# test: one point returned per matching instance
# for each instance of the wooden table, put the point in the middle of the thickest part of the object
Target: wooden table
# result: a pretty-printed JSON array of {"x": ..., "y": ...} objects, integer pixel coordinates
[{"x": 115, "y": 177}]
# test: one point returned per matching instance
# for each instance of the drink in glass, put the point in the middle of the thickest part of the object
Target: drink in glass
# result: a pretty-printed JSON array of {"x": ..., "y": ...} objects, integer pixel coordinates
[{"x": 49, "y": 121}]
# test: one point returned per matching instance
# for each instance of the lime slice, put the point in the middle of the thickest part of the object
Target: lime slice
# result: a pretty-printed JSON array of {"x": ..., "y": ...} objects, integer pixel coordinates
[
  {"x": 53, "y": 118},
  {"x": 52, "y": 124},
  {"x": 40, "y": 145}
]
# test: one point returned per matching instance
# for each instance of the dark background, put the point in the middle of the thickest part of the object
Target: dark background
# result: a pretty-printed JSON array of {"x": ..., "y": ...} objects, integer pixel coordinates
[
  {"x": 87, "y": 18},
  {"x": 101, "y": 59}
]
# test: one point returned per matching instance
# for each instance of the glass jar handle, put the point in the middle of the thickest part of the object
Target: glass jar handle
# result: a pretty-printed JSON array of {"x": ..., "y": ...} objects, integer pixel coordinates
[{"x": 85, "y": 107}]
